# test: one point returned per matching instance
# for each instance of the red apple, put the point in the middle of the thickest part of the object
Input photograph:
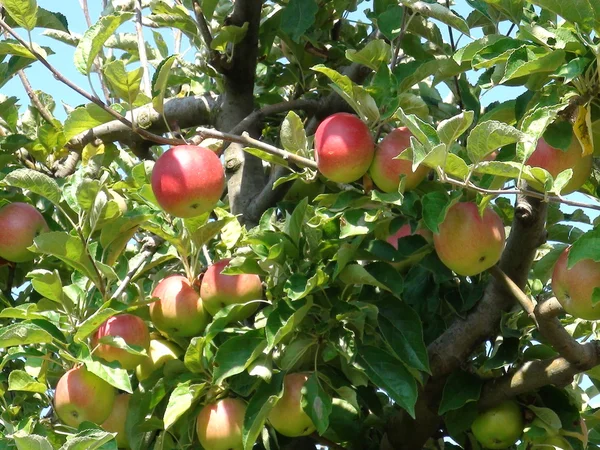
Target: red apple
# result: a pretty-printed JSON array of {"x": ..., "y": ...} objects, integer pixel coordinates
[
  {"x": 180, "y": 312},
  {"x": 287, "y": 416},
  {"x": 404, "y": 231},
  {"x": 344, "y": 148},
  {"x": 219, "y": 290},
  {"x": 386, "y": 171},
  {"x": 555, "y": 161},
  {"x": 159, "y": 352},
  {"x": 80, "y": 395},
  {"x": 219, "y": 425},
  {"x": 188, "y": 180},
  {"x": 574, "y": 287},
  {"x": 20, "y": 224},
  {"x": 116, "y": 421},
  {"x": 132, "y": 329},
  {"x": 468, "y": 243}
]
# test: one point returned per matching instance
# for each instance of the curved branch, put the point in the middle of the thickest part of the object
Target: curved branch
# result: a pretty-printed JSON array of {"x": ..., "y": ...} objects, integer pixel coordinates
[{"x": 516, "y": 292}]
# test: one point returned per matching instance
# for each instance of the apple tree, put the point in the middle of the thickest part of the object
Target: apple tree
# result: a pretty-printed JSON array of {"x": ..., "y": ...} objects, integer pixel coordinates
[{"x": 299, "y": 224}]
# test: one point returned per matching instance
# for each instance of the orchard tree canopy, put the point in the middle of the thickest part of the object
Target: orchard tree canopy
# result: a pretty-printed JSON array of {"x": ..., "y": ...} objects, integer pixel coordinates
[{"x": 299, "y": 224}]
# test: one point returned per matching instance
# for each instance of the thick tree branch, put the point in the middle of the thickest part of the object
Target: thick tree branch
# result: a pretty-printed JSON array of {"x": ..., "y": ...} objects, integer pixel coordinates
[{"x": 516, "y": 292}]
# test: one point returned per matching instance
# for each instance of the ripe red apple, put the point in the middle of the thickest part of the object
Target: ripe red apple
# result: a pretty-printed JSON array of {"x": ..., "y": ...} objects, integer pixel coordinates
[
  {"x": 287, "y": 416},
  {"x": 180, "y": 312},
  {"x": 344, "y": 148},
  {"x": 219, "y": 425},
  {"x": 574, "y": 287},
  {"x": 219, "y": 290},
  {"x": 20, "y": 224},
  {"x": 80, "y": 395},
  {"x": 555, "y": 161},
  {"x": 386, "y": 171},
  {"x": 499, "y": 427},
  {"x": 404, "y": 231},
  {"x": 159, "y": 352},
  {"x": 188, "y": 180},
  {"x": 116, "y": 421},
  {"x": 132, "y": 329},
  {"x": 468, "y": 243}
]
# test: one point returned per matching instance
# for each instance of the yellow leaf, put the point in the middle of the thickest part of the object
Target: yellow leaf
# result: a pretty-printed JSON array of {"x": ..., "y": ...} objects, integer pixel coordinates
[{"x": 582, "y": 128}]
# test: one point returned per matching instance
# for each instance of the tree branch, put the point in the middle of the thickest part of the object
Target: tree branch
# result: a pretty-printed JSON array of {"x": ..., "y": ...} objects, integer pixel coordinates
[
  {"x": 35, "y": 99},
  {"x": 516, "y": 292},
  {"x": 142, "y": 48}
]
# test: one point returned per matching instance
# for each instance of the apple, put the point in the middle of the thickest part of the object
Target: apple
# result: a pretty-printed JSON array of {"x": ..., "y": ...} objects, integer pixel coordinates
[
  {"x": 468, "y": 243},
  {"x": 301, "y": 189},
  {"x": 80, "y": 395},
  {"x": 20, "y": 224},
  {"x": 404, "y": 231},
  {"x": 386, "y": 171},
  {"x": 287, "y": 416},
  {"x": 555, "y": 161},
  {"x": 218, "y": 290},
  {"x": 344, "y": 148},
  {"x": 188, "y": 180},
  {"x": 574, "y": 288},
  {"x": 159, "y": 352},
  {"x": 499, "y": 427},
  {"x": 179, "y": 312},
  {"x": 132, "y": 329},
  {"x": 116, "y": 421},
  {"x": 551, "y": 443},
  {"x": 219, "y": 425}
]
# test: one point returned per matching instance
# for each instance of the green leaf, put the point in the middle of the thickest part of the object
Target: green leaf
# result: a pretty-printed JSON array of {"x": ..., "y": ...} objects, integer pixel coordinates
[
  {"x": 389, "y": 374},
  {"x": 293, "y": 224},
  {"x": 160, "y": 81},
  {"x": 507, "y": 353},
  {"x": 547, "y": 416},
  {"x": 12, "y": 47},
  {"x": 91, "y": 439},
  {"x": 495, "y": 53},
  {"x": 48, "y": 284},
  {"x": 435, "y": 206},
  {"x": 23, "y": 334},
  {"x": 467, "y": 52},
  {"x": 119, "y": 342},
  {"x": 27, "y": 441},
  {"x": 126, "y": 85},
  {"x": 460, "y": 389},
  {"x": 356, "y": 96},
  {"x": 584, "y": 13},
  {"x": 401, "y": 327},
  {"x": 229, "y": 34},
  {"x": 181, "y": 400},
  {"x": 489, "y": 136},
  {"x": 68, "y": 249},
  {"x": 85, "y": 118},
  {"x": 284, "y": 319},
  {"x": 390, "y": 22},
  {"x": 113, "y": 375},
  {"x": 527, "y": 60},
  {"x": 357, "y": 274},
  {"x": 36, "y": 182},
  {"x": 259, "y": 407},
  {"x": 236, "y": 354},
  {"x": 94, "y": 38},
  {"x": 316, "y": 403},
  {"x": 268, "y": 157},
  {"x": 297, "y": 17},
  {"x": 586, "y": 247},
  {"x": 372, "y": 55},
  {"x": 90, "y": 325},
  {"x": 292, "y": 134},
  {"x": 439, "y": 12},
  {"x": 450, "y": 130},
  {"x": 19, "y": 380},
  {"x": 299, "y": 286},
  {"x": 23, "y": 12}
]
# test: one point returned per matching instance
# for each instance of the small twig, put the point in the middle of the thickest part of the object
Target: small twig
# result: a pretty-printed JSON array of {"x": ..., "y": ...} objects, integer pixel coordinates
[
  {"x": 145, "y": 134},
  {"x": 516, "y": 292},
  {"x": 142, "y": 48},
  {"x": 206, "y": 34},
  {"x": 453, "y": 45},
  {"x": 35, "y": 99},
  {"x": 88, "y": 21},
  {"x": 512, "y": 27},
  {"x": 398, "y": 40},
  {"x": 151, "y": 244},
  {"x": 12, "y": 270}
]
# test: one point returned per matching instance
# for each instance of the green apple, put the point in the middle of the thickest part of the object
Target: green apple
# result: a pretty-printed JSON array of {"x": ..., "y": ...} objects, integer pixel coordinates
[
  {"x": 287, "y": 416},
  {"x": 499, "y": 427},
  {"x": 116, "y": 421},
  {"x": 159, "y": 352}
]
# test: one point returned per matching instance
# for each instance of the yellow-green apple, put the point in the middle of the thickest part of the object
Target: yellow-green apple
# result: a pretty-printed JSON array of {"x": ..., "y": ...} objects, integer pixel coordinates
[
  {"x": 219, "y": 290},
  {"x": 80, "y": 395},
  {"x": 116, "y": 421},
  {"x": 188, "y": 180},
  {"x": 555, "y": 161},
  {"x": 404, "y": 231},
  {"x": 287, "y": 416},
  {"x": 574, "y": 287},
  {"x": 386, "y": 171},
  {"x": 132, "y": 330},
  {"x": 20, "y": 224},
  {"x": 159, "y": 352},
  {"x": 301, "y": 189},
  {"x": 344, "y": 148},
  {"x": 499, "y": 427},
  {"x": 468, "y": 243},
  {"x": 179, "y": 312},
  {"x": 219, "y": 425},
  {"x": 551, "y": 443}
]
